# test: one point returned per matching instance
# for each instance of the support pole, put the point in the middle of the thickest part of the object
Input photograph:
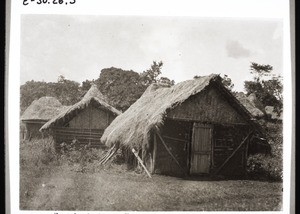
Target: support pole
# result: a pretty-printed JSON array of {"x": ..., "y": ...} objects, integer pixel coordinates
[
  {"x": 141, "y": 162},
  {"x": 109, "y": 154}
]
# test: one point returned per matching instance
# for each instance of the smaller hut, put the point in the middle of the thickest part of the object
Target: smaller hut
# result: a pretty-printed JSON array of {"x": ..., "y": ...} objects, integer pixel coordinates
[
  {"x": 84, "y": 121},
  {"x": 250, "y": 103},
  {"x": 37, "y": 114}
]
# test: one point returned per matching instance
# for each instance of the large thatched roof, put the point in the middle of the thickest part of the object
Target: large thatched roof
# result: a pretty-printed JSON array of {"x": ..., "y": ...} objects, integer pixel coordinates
[
  {"x": 92, "y": 96},
  {"x": 133, "y": 127},
  {"x": 43, "y": 109}
]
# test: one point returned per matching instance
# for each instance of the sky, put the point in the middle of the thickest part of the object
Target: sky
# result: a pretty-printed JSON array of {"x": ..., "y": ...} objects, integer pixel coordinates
[{"x": 80, "y": 46}]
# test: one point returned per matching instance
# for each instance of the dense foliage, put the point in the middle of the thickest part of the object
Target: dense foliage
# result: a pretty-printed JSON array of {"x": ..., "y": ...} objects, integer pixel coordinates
[
  {"x": 269, "y": 167},
  {"x": 66, "y": 91},
  {"x": 267, "y": 91},
  {"x": 121, "y": 87}
]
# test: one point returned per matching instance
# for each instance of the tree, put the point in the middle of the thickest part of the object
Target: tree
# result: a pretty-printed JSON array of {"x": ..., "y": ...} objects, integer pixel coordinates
[
  {"x": 260, "y": 70},
  {"x": 33, "y": 90},
  {"x": 66, "y": 91},
  {"x": 274, "y": 86},
  {"x": 268, "y": 92},
  {"x": 151, "y": 75},
  {"x": 122, "y": 88},
  {"x": 86, "y": 85}
]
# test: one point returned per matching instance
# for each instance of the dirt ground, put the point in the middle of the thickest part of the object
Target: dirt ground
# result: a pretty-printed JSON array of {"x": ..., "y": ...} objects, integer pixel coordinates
[{"x": 122, "y": 190}]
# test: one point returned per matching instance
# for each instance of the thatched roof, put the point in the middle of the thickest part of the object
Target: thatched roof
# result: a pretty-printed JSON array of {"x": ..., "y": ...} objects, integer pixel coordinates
[
  {"x": 43, "y": 109},
  {"x": 249, "y": 103},
  {"x": 133, "y": 127},
  {"x": 92, "y": 96}
]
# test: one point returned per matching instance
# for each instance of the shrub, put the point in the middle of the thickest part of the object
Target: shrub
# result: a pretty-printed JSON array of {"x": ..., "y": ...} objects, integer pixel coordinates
[
  {"x": 265, "y": 167},
  {"x": 81, "y": 158},
  {"x": 268, "y": 167}
]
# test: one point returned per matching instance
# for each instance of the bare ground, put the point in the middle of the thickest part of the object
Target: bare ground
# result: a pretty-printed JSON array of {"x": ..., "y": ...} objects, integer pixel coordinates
[{"x": 118, "y": 189}]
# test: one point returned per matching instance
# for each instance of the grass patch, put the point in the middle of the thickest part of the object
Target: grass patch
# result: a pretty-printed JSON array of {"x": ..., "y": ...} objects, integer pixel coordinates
[
  {"x": 74, "y": 180},
  {"x": 37, "y": 158}
]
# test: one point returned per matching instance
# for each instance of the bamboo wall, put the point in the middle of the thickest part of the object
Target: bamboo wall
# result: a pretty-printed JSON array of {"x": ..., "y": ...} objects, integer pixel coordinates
[
  {"x": 86, "y": 127},
  {"x": 82, "y": 136},
  {"x": 91, "y": 118},
  {"x": 176, "y": 134},
  {"x": 225, "y": 140},
  {"x": 209, "y": 106}
]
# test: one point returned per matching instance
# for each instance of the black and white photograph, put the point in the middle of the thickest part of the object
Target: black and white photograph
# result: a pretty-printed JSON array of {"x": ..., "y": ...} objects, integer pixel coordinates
[{"x": 141, "y": 112}]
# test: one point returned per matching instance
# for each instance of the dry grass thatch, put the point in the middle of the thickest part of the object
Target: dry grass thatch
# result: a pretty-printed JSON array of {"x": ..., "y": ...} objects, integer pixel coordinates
[
  {"x": 249, "y": 104},
  {"x": 133, "y": 127},
  {"x": 43, "y": 109},
  {"x": 92, "y": 96}
]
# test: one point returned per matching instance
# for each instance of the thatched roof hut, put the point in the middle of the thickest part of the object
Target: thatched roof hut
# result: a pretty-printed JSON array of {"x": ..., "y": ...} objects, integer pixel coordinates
[
  {"x": 44, "y": 108},
  {"x": 249, "y": 103},
  {"x": 176, "y": 114},
  {"x": 90, "y": 116},
  {"x": 38, "y": 113}
]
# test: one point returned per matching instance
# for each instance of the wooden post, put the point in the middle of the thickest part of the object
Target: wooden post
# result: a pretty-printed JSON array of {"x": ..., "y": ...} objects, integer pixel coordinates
[
  {"x": 141, "y": 162},
  {"x": 212, "y": 148},
  {"x": 246, "y": 154},
  {"x": 168, "y": 150},
  {"x": 233, "y": 153},
  {"x": 154, "y": 153}
]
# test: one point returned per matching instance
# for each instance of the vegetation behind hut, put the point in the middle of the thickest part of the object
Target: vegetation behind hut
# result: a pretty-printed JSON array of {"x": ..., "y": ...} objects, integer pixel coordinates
[
  {"x": 121, "y": 87},
  {"x": 269, "y": 167},
  {"x": 266, "y": 86}
]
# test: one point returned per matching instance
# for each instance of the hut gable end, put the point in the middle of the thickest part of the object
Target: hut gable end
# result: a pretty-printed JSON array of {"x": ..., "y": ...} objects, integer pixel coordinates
[
  {"x": 92, "y": 99},
  {"x": 91, "y": 118},
  {"x": 208, "y": 106}
]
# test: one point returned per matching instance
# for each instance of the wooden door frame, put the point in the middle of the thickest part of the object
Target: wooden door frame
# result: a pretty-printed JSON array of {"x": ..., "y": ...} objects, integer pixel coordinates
[{"x": 190, "y": 153}]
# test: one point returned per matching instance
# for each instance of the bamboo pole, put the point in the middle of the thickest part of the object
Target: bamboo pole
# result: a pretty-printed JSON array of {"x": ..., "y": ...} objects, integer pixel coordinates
[
  {"x": 110, "y": 156},
  {"x": 233, "y": 153},
  {"x": 154, "y": 154},
  {"x": 141, "y": 162},
  {"x": 107, "y": 154}
]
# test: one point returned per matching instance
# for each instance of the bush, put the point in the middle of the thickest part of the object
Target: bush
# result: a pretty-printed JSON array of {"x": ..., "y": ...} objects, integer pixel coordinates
[
  {"x": 268, "y": 167},
  {"x": 81, "y": 158},
  {"x": 265, "y": 167}
]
